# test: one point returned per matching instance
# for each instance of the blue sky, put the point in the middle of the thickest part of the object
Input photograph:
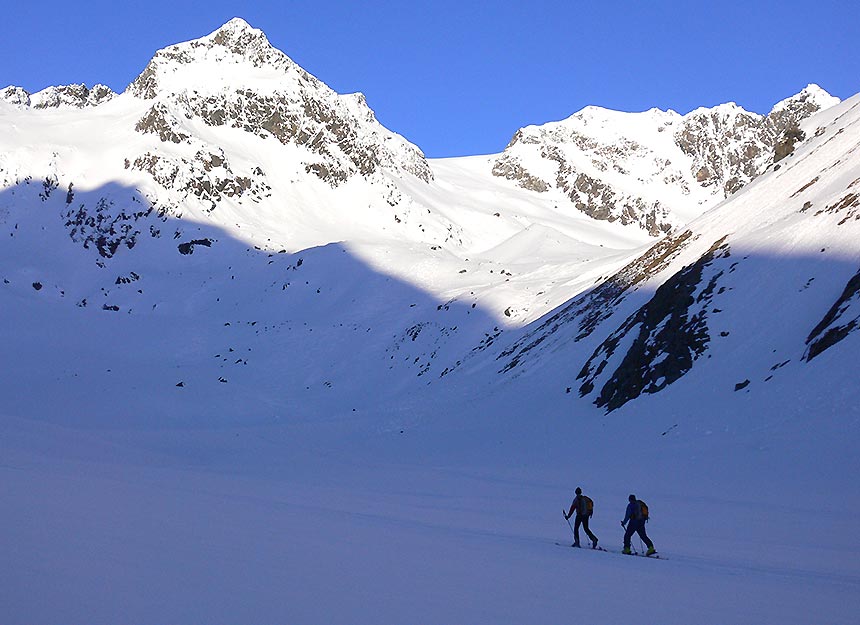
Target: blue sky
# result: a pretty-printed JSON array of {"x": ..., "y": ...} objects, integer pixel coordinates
[{"x": 459, "y": 77}]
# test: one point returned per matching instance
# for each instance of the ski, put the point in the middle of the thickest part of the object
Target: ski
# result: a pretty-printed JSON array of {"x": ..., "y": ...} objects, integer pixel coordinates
[
  {"x": 586, "y": 548},
  {"x": 653, "y": 556}
]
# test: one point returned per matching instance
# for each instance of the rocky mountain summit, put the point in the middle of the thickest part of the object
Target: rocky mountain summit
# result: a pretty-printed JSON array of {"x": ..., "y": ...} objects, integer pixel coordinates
[
  {"x": 235, "y": 78},
  {"x": 649, "y": 168}
]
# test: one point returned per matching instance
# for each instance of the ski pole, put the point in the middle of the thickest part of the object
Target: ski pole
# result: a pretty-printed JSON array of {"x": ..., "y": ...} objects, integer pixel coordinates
[{"x": 564, "y": 514}]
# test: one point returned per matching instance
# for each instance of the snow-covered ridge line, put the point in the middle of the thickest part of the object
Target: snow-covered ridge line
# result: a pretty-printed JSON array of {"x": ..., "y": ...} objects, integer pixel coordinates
[
  {"x": 64, "y": 96},
  {"x": 657, "y": 169}
]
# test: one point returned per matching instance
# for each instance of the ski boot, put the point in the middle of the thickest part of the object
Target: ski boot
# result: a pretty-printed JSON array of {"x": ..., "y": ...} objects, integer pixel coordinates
[
  {"x": 594, "y": 544},
  {"x": 651, "y": 551},
  {"x": 576, "y": 544},
  {"x": 626, "y": 551}
]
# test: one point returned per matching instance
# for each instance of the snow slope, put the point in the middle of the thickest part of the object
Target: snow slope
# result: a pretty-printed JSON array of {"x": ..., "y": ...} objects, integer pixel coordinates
[{"x": 251, "y": 377}]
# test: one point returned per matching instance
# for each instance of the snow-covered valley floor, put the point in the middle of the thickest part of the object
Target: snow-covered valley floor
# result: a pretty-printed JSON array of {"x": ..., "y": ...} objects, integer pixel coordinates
[{"x": 452, "y": 519}]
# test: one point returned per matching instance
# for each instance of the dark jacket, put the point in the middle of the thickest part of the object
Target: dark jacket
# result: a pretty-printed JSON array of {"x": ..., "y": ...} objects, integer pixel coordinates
[
  {"x": 574, "y": 507},
  {"x": 634, "y": 511}
]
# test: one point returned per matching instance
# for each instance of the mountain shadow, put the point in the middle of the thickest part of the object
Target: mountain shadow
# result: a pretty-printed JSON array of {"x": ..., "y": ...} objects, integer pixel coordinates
[{"x": 135, "y": 303}]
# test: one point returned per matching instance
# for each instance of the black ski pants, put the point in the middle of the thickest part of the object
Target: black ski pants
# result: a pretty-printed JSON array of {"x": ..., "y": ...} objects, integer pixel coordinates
[
  {"x": 636, "y": 527},
  {"x": 581, "y": 519}
]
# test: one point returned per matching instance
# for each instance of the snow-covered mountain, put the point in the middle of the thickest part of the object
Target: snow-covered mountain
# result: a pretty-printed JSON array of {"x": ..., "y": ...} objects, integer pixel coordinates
[
  {"x": 235, "y": 79},
  {"x": 258, "y": 345},
  {"x": 225, "y": 150}
]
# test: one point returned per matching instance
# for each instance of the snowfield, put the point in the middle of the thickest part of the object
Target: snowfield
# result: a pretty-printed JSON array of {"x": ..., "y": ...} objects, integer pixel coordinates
[
  {"x": 351, "y": 521},
  {"x": 264, "y": 363}
]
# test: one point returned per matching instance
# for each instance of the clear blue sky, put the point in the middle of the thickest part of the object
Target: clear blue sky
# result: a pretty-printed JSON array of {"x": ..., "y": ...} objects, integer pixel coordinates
[{"x": 459, "y": 77}]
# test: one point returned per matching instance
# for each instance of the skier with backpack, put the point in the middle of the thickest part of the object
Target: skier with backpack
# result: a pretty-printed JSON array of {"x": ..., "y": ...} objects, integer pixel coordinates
[
  {"x": 584, "y": 508},
  {"x": 634, "y": 523}
]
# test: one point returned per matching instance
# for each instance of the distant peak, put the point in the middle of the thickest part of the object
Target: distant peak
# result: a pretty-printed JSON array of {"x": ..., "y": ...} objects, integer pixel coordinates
[
  {"x": 811, "y": 97},
  {"x": 815, "y": 91},
  {"x": 62, "y": 96},
  {"x": 240, "y": 38},
  {"x": 237, "y": 23},
  {"x": 237, "y": 32},
  {"x": 726, "y": 109}
]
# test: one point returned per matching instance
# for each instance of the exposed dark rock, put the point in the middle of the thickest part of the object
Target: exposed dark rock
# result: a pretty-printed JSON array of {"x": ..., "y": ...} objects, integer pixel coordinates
[
  {"x": 159, "y": 121},
  {"x": 315, "y": 123},
  {"x": 188, "y": 247},
  {"x": 785, "y": 144},
  {"x": 727, "y": 144},
  {"x": 805, "y": 187},
  {"x": 848, "y": 204},
  {"x": 48, "y": 185},
  {"x": 507, "y": 167},
  {"x": 208, "y": 176},
  {"x": 670, "y": 331},
  {"x": 589, "y": 193},
  {"x": 131, "y": 277},
  {"x": 103, "y": 226},
  {"x": 842, "y": 319}
]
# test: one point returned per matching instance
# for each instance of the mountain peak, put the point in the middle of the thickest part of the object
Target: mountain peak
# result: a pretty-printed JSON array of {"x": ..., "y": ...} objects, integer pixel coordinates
[
  {"x": 237, "y": 24},
  {"x": 235, "y": 50},
  {"x": 240, "y": 38},
  {"x": 811, "y": 98}
]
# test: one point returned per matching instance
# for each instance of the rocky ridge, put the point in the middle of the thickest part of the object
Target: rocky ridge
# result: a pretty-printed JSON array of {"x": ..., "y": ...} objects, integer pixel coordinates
[{"x": 643, "y": 168}]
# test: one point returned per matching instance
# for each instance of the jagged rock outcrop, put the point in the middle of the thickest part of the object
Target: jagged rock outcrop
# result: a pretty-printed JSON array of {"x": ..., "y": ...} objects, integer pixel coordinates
[
  {"x": 729, "y": 146},
  {"x": 207, "y": 176}
]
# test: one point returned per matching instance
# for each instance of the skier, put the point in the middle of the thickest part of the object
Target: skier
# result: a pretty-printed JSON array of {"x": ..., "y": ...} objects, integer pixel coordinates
[
  {"x": 634, "y": 522},
  {"x": 584, "y": 508}
]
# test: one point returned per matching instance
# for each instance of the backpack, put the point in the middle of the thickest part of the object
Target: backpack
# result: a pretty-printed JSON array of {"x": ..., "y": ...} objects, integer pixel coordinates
[
  {"x": 643, "y": 510},
  {"x": 585, "y": 506}
]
